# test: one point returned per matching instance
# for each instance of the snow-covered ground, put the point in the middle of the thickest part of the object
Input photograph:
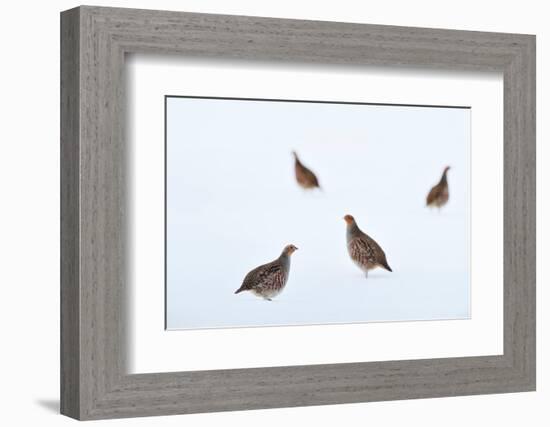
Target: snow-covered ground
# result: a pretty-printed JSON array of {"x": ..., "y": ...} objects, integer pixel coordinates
[{"x": 233, "y": 203}]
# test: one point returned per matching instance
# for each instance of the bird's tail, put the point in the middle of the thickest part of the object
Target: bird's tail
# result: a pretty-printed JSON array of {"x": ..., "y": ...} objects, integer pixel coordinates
[{"x": 385, "y": 265}]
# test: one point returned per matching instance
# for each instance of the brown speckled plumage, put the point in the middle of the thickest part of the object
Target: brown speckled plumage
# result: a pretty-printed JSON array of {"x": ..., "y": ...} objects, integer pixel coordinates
[
  {"x": 362, "y": 249},
  {"x": 304, "y": 176},
  {"x": 268, "y": 280},
  {"x": 439, "y": 194}
]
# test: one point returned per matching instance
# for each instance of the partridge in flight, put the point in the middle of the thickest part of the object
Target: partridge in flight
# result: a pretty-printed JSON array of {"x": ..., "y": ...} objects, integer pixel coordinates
[
  {"x": 268, "y": 280},
  {"x": 362, "y": 249},
  {"x": 439, "y": 194}
]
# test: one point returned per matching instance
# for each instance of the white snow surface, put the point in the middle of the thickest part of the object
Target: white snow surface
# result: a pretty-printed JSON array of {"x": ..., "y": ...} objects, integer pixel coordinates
[{"x": 233, "y": 204}]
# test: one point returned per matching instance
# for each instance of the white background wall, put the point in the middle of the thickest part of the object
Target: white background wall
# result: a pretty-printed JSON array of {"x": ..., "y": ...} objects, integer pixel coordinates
[{"x": 29, "y": 224}]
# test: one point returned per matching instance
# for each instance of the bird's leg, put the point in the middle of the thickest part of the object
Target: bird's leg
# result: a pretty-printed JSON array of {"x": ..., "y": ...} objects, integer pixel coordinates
[
  {"x": 268, "y": 299},
  {"x": 366, "y": 274}
]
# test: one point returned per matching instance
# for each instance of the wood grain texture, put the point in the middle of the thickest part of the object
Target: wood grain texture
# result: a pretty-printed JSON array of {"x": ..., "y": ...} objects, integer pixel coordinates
[
  {"x": 70, "y": 221},
  {"x": 94, "y": 382}
]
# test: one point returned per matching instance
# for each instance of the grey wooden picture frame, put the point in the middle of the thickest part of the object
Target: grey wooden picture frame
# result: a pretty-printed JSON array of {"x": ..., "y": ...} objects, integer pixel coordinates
[{"x": 94, "y": 380}]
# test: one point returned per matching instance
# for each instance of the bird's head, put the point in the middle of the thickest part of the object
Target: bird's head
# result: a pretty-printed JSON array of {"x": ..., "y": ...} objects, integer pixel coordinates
[
  {"x": 446, "y": 169},
  {"x": 349, "y": 219},
  {"x": 289, "y": 249}
]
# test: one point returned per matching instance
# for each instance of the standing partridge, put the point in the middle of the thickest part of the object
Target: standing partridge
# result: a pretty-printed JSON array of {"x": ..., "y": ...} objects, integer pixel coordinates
[
  {"x": 304, "y": 176},
  {"x": 268, "y": 280},
  {"x": 439, "y": 194},
  {"x": 362, "y": 249}
]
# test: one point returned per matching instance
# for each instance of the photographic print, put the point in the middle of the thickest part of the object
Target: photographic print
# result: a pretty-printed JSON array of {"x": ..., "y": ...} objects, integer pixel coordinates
[{"x": 295, "y": 212}]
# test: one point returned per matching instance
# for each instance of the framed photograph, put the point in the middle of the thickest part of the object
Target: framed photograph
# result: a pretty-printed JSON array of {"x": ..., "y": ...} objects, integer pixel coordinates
[
  {"x": 261, "y": 213},
  {"x": 237, "y": 186}
]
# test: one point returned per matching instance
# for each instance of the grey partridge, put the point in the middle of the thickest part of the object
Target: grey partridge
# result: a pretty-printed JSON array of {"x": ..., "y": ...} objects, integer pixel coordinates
[
  {"x": 362, "y": 249},
  {"x": 439, "y": 194},
  {"x": 268, "y": 280},
  {"x": 304, "y": 176}
]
